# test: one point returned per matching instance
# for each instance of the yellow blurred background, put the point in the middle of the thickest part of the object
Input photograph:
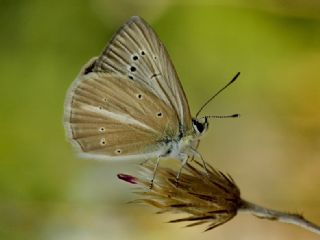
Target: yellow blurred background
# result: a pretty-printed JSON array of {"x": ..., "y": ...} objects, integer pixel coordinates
[{"x": 272, "y": 151}]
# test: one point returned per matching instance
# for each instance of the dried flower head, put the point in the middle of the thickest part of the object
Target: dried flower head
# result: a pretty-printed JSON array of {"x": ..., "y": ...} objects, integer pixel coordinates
[{"x": 207, "y": 197}]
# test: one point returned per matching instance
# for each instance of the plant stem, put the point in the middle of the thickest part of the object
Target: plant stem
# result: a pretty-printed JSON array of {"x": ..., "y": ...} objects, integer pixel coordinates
[{"x": 285, "y": 217}]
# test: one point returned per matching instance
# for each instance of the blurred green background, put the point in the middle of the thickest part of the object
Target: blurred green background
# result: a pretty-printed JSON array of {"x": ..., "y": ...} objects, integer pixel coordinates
[{"x": 272, "y": 151}]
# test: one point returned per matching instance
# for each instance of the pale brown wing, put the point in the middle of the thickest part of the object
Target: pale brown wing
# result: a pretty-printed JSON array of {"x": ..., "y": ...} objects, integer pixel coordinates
[
  {"x": 136, "y": 52},
  {"x": 110, "y": 117}
]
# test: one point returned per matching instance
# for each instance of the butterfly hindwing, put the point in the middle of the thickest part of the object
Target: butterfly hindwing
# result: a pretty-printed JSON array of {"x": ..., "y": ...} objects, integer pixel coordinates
[{"x": 108, "y": 116}]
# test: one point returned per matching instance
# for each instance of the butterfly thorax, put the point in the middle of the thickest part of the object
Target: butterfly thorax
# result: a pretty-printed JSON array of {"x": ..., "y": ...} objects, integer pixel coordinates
[
  {"x": 186, "y": 142},
  {"x": 181, "y": 146}
]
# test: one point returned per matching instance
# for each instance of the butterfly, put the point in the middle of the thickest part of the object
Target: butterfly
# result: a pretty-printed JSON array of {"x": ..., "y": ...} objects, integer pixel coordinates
[{"x": 128, "y": 103}]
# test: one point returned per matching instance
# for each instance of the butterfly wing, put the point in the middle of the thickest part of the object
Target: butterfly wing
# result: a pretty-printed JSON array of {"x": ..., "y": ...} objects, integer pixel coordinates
[
  {"x": 108, "y": 116},
  {"x": 136, "y": 52}
]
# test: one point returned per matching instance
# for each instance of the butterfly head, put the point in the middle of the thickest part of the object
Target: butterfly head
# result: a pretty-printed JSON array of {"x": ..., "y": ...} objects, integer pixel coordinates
[{"x": 200, "y": 126}]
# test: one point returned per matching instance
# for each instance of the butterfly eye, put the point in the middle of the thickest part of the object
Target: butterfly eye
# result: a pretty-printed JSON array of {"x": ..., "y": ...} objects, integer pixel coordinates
[
  {"x": 102, "y": 129},
  {"x": 100, "y": 108},
  {"x": 104, "y": 99},
  {"x": 103, "y": 141},
  {"x": 130, "y": 77},
  {"x": 143, "y": 53},
  {"x": 135, "y": 57},
  {"x": 200, "y": 127},
  {"x": 139, "y": 96}
]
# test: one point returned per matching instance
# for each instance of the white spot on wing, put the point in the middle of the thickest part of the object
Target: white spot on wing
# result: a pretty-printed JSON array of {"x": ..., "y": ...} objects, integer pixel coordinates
[
  {"x": 118, "y": 151},
  {"x": 159, "y": 115},
  {"x": 102, "y": 129},
  {"x": 103, "y": 141}
]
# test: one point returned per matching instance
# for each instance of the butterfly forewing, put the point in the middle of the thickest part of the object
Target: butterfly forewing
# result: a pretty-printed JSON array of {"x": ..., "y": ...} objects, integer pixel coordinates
[
  {"x": 136, "y": 53},
  {"x": 109, "y": 116}
]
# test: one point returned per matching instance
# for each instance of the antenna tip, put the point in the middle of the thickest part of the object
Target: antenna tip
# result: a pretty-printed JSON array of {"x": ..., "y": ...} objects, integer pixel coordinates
[
  {"x": 235, "y": 115},
  {"x": 235, "y": 77}
]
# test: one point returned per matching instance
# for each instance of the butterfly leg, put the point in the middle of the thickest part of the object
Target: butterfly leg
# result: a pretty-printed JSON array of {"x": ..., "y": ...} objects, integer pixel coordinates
[
  {"x": 184, "y": 161},
  {"x": 154, "y": 172},
  {"x": 197, "y": 154},
  {"x": 145, "y": 161}
]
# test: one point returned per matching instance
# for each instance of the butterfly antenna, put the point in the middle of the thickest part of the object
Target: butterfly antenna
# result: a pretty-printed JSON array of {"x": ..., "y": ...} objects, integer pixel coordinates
[
  {"x": 209, "y": 100},
  {"x": 236, "y": 115}
]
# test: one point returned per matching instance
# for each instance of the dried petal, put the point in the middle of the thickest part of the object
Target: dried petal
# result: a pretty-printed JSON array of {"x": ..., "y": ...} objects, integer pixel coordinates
[{"x": 211, "y": 197}]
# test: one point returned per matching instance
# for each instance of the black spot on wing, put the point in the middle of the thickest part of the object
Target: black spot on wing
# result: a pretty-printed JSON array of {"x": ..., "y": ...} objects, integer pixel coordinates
[
  {"x": 132, "y": 69},
  {"x": 89, "y": 69}
]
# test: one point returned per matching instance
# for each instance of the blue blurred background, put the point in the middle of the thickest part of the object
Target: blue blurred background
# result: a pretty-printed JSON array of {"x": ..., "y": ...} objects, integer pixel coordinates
[{"x": 272, "y": 151}]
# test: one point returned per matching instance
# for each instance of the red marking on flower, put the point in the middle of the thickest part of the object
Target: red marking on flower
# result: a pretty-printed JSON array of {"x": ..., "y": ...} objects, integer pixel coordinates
[{"x": 127, "y": 178}]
